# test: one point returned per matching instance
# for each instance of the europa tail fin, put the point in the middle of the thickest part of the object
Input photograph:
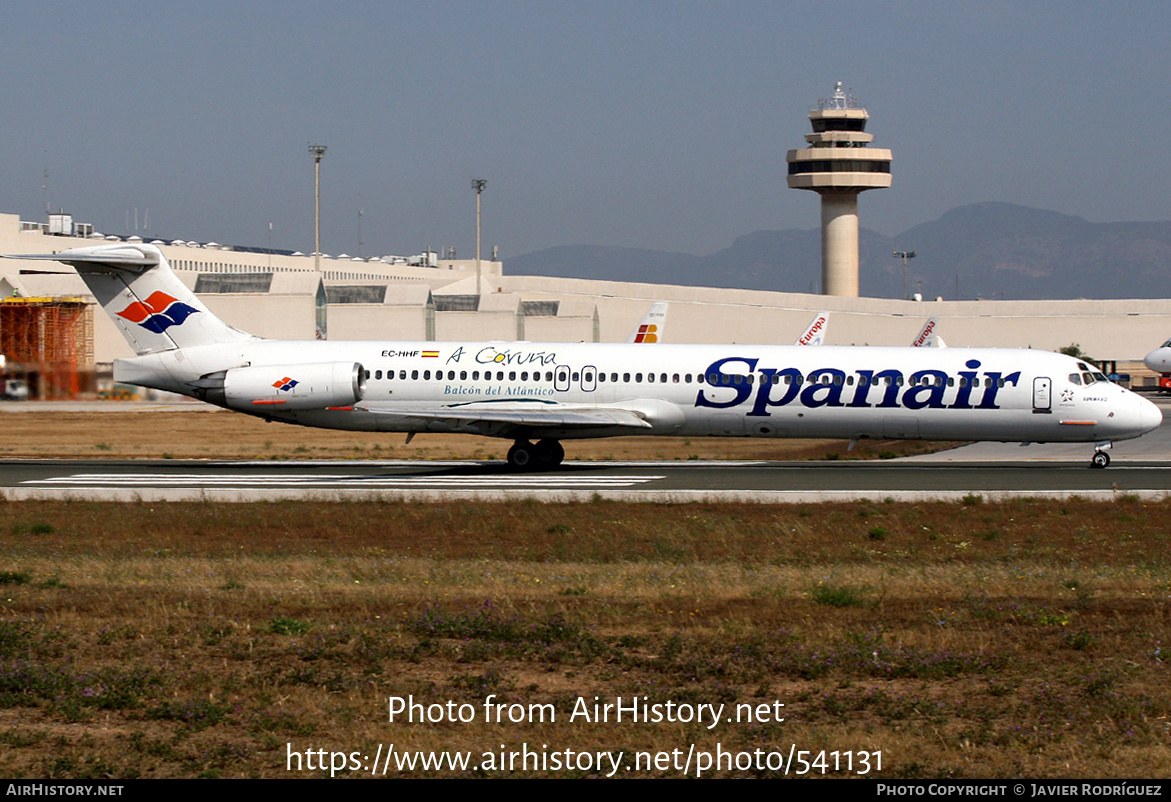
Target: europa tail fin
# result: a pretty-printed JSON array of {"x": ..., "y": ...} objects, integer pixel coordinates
[
  {"x": 144, "y": 298},
  {"x": 815, "y": 333}
]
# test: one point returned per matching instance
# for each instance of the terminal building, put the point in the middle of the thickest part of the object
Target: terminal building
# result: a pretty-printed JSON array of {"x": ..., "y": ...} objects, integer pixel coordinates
[
  {"x": 55, "y": 343},
  {"x": 56, "y": 340}
]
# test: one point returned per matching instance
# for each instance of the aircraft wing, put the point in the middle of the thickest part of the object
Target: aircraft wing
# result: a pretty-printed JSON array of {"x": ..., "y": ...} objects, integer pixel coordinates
[{"x": 520, "y": 416}]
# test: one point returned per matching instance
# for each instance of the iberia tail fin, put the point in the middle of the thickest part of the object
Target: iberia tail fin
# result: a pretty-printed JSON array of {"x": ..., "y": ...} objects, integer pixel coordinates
[
  {"x": 148, "y": 303},
  {"x": 650, "y": 328}
]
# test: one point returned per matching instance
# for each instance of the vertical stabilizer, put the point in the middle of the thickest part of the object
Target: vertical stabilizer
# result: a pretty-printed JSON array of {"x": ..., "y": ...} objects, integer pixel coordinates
[
  {"x": 650, "y": 328},
  {"x": 144, "y": 298},
  {"x": 815, "y": 334},
  {"x": 928, "y": 337}
]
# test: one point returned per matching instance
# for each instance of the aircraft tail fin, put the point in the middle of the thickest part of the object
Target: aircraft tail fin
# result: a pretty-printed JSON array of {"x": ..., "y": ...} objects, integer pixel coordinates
[
  {"x": 144, "y": 298},
  {"x": 815, "y": 334},
  {"x": 650, "y": 328},
  {"x": 927, "y": 336}
]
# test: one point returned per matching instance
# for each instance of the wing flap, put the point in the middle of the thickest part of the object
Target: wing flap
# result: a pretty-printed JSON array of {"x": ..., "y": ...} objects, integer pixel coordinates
[{"x": 560, "y": 417}]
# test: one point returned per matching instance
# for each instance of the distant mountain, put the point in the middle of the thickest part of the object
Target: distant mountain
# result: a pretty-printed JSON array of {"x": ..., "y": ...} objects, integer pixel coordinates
[{"x": 988, "y": 250}]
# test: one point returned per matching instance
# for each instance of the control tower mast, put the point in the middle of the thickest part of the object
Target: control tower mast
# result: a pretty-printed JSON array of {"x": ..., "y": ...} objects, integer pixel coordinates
[{"x": 838, "y": 164}]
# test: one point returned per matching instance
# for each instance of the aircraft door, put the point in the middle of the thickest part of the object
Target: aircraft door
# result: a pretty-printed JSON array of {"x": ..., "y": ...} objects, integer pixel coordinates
[
  {"x": 589, "y": 378},
  {"x": 561, "y": 379},
  {"x": 1042, "y": 395}
]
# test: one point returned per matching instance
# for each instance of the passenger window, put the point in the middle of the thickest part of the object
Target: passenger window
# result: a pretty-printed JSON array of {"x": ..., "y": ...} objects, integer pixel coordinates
[
  {"x": 414, "y": 375},
  {"x": 426, "y": 375}
]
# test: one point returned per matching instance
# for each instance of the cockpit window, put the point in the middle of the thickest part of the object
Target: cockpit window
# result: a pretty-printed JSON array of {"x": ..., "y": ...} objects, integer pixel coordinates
[{"x": 1075, "y": 378}]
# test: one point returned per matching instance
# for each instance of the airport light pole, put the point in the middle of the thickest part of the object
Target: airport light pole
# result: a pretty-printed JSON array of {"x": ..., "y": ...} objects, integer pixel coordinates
[
  {"x": 904, "y": 255},
  {"x": 478, "y": 184},
  {"x": 317, "y": 151}
]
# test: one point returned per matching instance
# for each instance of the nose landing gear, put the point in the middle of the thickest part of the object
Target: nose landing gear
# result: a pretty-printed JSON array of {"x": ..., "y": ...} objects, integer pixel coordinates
[{"x": 1101, "y": 457}]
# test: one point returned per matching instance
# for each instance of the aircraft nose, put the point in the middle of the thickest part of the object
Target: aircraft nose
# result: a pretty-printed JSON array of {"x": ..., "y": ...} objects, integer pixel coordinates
[{"x": 1150, "y": 416}]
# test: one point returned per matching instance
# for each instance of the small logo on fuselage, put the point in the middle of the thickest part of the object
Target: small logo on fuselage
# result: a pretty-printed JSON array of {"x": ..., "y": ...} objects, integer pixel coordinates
[{"x": 286, "y": 384}]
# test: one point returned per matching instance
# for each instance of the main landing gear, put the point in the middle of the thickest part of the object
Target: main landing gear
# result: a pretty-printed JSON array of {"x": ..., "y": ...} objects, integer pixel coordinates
[{"x": 544, "y": 455}]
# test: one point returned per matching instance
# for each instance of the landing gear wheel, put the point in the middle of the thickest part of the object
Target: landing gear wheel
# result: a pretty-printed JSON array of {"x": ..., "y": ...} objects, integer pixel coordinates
[
  {"x": 549, "y": 454},
  {"x": 1100, "y": 459},
  {"x": 521, "y": 456}
]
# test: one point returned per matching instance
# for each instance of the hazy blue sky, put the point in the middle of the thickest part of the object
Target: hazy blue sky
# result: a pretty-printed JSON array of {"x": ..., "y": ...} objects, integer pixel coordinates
[{"x": 653, "y": 124}]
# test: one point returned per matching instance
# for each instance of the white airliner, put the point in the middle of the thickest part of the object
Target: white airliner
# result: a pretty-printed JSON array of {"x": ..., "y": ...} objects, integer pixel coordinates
[
  {"x": 1159, "y": 360},
  {"x": 551, "y": 392}
]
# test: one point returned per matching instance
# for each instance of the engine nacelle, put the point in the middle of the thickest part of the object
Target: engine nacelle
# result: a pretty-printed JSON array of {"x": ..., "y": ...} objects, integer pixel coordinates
[{"x": 280, "y": 387}]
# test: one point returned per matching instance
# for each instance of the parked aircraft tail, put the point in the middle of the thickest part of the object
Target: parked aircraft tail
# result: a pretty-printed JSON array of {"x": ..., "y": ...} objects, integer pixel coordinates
[
  {"x": 650, "y": 328},
  {"x": 815, "y": 333}
]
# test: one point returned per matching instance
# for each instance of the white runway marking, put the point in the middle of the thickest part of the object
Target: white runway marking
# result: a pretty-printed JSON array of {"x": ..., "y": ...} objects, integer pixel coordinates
[{"x": 338, "y": 480}]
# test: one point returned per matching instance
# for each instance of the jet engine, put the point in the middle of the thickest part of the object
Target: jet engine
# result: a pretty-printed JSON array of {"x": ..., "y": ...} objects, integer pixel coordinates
[{"x": 280, "y": 387}]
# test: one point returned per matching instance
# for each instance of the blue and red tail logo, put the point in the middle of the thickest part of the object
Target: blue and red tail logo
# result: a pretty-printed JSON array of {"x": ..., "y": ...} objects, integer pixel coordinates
[{"x": 158, "y": 312}]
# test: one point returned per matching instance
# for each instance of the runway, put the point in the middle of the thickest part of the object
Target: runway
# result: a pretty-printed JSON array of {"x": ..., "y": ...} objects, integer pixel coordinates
[
  {"x": 1140, "y": 467},
  {"x": 578, "y": 481}
]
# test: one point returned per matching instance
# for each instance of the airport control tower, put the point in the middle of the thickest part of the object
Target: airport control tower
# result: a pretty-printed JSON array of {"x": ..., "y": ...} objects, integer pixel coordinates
[{"x": 838, "y": 164}]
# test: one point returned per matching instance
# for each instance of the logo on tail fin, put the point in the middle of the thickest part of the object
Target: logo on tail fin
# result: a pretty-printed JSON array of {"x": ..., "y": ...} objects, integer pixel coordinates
[
  {"x": 158, "y": 312},
  {"x": 647, "y": 333}
]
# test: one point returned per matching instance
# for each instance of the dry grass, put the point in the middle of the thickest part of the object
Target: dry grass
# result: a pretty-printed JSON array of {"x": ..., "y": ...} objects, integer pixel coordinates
[{"x": 978, "y": 640}]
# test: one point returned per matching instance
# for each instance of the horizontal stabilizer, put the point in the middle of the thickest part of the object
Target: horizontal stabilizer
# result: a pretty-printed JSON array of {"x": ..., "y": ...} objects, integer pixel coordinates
[{"x": 113, "y": 256}]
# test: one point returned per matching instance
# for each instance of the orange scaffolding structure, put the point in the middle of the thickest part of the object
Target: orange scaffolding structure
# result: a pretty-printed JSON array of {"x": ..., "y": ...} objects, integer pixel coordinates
[{"x": 50, "y": 343}]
